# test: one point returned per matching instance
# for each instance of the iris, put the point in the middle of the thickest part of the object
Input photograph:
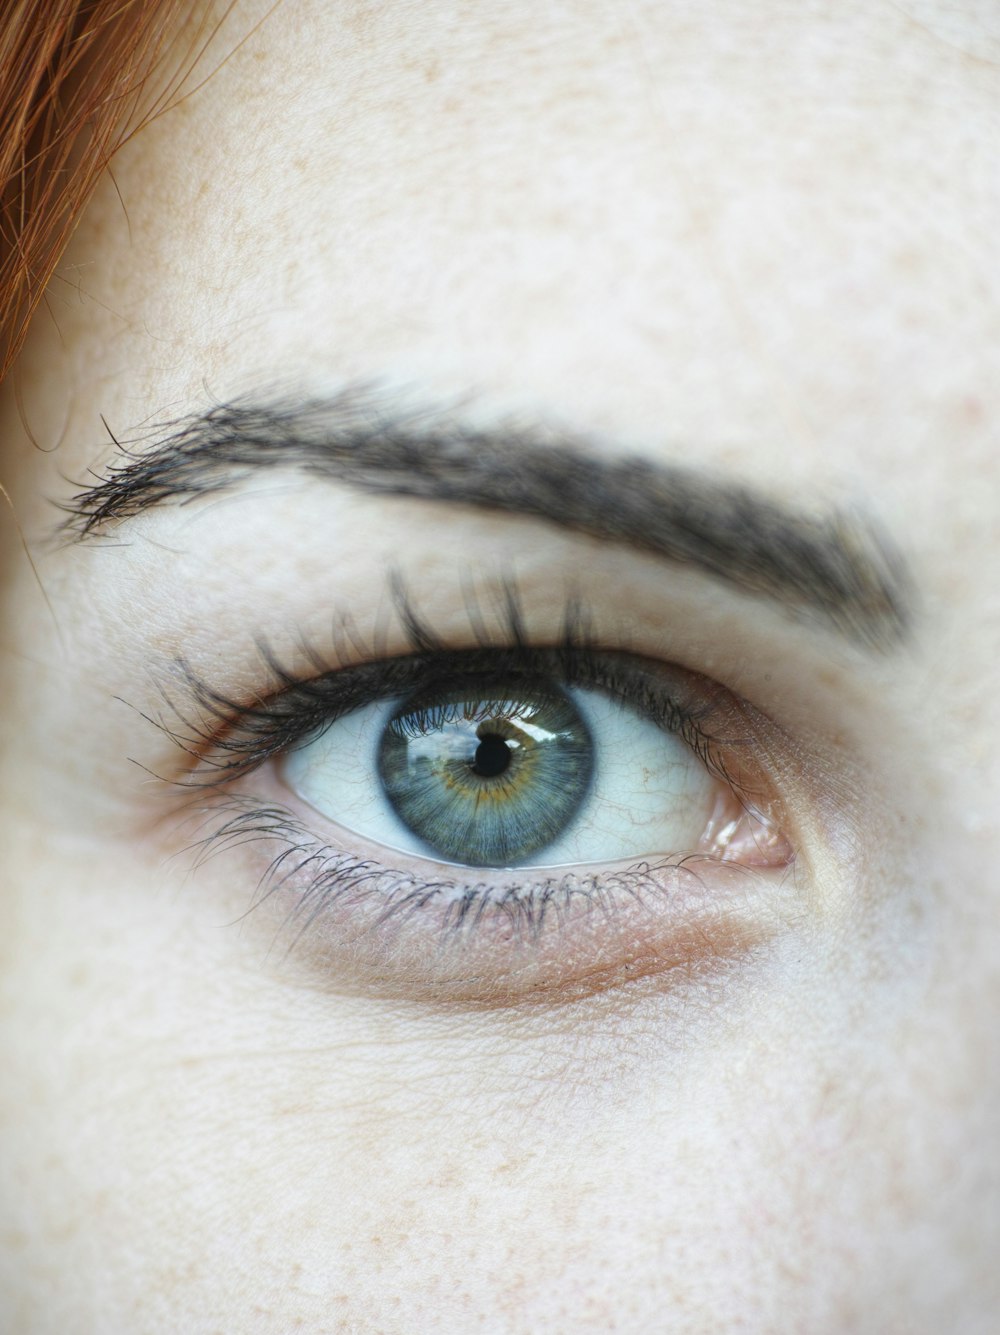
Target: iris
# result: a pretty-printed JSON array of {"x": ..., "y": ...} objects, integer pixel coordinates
[{"x": 488, "y": 772}]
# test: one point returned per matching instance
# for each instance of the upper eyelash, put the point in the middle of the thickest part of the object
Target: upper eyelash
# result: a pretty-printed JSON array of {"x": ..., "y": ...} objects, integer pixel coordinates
[
  {"x": 245, "y": 735},
  {"x": 227, "y": 738}
]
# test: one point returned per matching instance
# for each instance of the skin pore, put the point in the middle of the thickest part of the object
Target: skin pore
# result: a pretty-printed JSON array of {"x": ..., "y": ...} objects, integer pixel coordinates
[{"x": 753, "y": 242}]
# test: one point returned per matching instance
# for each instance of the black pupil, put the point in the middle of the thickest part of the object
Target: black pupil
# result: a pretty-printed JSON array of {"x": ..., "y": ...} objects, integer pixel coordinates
[{"x": 492, "y": 756}]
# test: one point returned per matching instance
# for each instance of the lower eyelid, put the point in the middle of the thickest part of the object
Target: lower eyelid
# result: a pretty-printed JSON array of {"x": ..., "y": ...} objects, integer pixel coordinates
[{"x": 504, "y": 939}]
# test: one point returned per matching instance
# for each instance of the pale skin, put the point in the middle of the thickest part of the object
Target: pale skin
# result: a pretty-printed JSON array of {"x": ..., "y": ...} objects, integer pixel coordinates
[{"x": 759, "y": 239}]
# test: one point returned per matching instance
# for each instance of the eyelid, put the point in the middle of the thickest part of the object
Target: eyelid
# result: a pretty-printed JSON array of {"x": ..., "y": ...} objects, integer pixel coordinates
[
  {"x": 366, "y": 926},
  {"x": 379, "y": 921},
  {"x": 676, "y": 699}
]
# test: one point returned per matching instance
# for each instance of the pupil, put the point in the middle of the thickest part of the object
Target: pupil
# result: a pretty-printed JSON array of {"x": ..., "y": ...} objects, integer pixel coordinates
[{"x": 492, "y": 756}]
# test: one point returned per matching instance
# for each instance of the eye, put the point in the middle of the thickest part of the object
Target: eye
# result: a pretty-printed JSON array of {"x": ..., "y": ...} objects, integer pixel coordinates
[
  {"x": 506, "y": 771},
  {"x": 500, "y": 823}
]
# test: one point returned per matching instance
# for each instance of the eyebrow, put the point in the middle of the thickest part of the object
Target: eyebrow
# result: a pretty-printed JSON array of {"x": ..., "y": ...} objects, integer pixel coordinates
[{"x": 838, "y": 567}]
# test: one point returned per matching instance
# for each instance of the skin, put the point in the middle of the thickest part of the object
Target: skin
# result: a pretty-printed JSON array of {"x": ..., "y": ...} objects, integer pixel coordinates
[{"x": 757, "y": 238}]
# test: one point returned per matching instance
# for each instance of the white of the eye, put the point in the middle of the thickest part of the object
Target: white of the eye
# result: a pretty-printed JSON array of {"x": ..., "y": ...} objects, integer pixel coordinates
[{"x": 650, "y": 794}]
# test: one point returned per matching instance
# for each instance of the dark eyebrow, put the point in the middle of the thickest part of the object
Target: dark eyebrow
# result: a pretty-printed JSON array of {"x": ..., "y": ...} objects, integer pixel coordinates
[{"x": 836, "y": 567}]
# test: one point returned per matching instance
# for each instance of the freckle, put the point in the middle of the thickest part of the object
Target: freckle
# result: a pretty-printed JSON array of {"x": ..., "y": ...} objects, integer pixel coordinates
[
  {"x": 971, "y": 410},
  {"x": 910, "y": 261}
]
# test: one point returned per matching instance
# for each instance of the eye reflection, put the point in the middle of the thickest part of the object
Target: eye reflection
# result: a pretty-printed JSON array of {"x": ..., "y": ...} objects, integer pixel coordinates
[{"x": 487, "y": 774}]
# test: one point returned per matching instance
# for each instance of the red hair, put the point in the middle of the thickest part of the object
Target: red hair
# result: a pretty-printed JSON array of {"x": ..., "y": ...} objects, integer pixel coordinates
[{"x": 74, "y": 78}]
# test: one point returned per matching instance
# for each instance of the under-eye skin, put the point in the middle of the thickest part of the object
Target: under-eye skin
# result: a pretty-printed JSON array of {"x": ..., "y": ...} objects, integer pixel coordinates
[{"x": 497, "y": 822}]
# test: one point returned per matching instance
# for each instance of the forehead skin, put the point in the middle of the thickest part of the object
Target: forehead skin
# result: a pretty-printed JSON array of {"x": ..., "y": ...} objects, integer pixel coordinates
[
  {"x": 757, "y": 236},
  {"x": 762, "y": 240}
]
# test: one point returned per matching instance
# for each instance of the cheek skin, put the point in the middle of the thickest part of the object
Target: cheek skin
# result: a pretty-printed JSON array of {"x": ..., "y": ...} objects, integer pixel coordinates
[{"x": 272, "y": 1099}]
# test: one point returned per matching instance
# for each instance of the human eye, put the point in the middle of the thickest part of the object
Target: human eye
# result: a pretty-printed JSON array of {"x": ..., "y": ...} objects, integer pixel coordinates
[
  {"x": 496, "y": 820},
  {"x": 527, "y": 758}
]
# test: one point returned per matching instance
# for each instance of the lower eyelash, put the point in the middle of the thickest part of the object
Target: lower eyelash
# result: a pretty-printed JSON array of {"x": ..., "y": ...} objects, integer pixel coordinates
[{"x": 321, "y": 876}]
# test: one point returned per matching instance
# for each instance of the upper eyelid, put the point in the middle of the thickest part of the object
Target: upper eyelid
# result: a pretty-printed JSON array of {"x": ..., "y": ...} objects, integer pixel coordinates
[{"x": 251, "y": 734}]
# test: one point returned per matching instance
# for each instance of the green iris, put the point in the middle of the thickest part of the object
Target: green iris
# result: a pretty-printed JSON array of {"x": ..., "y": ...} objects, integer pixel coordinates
[{"x": 487, "y": 773}]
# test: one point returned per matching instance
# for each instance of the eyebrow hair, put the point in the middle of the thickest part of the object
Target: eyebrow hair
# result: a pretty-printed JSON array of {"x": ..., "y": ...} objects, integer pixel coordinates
[{"x": 838, "y": 568}]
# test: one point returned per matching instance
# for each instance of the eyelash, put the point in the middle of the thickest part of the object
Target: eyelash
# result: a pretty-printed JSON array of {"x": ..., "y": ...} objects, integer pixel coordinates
[
  {"x": 231, "y": 738},
  {"x": 227, "y": 740}
]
